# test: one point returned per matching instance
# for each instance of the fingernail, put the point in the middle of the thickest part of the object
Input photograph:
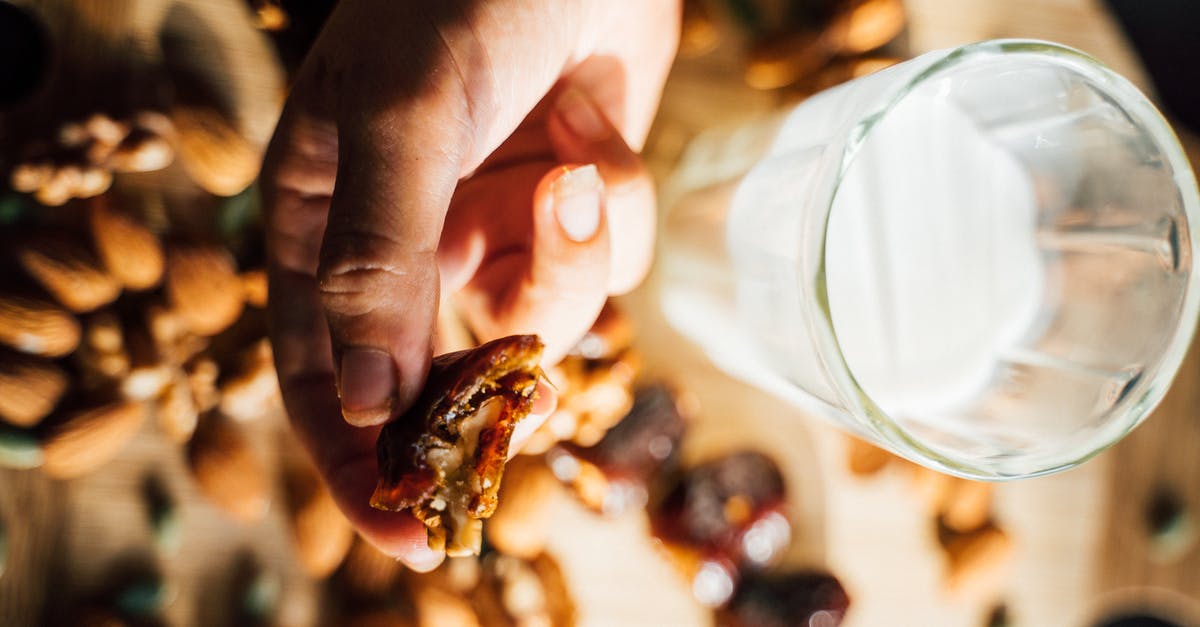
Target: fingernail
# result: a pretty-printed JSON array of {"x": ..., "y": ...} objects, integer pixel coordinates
[
  {"x": 423, "y": 559},
  {"x": 577, "y": 194},
  {"x": 581, "y": 115},
  {"x": 368, "y": 385}
]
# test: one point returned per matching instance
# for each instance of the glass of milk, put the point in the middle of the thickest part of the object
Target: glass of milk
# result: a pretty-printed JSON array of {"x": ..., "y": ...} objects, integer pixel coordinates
[{"x": 980, "y": 259}]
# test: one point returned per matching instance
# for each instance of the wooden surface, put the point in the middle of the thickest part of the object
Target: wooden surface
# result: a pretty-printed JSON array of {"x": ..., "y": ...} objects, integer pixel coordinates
[{"x": 1081, "y": 546}]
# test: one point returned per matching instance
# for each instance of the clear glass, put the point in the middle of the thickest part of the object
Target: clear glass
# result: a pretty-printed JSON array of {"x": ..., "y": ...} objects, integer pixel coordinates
[{"x": 980, "y": 259}]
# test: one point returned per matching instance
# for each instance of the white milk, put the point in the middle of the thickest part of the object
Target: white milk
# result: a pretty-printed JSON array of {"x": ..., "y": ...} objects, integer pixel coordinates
[{"x": 931, "y": 280}]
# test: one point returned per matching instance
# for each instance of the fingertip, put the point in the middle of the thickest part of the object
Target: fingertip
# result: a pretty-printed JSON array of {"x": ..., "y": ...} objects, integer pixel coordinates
[
  {"x": 421, "y": 558},
  {"x": 577, "y": 198}
]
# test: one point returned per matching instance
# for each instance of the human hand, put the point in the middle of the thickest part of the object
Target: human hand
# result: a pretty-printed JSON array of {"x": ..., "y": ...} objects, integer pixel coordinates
[{"x": 438, "y": 153}]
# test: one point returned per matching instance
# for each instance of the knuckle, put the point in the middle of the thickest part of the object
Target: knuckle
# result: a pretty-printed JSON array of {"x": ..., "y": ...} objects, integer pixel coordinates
[{"x": 359, "y": 270}]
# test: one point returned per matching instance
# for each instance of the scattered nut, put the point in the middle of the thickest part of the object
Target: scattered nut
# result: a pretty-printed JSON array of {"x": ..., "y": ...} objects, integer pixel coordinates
[
  {"x": 214, "y": 153},
  {"x": 227, "y": 469},
  {"x": 30, "y": 388},
  {"x": 68, "y": 271},
  {"x": 37, "y": 327},
  {"x": 203, "y": 287},
  {"x": 130, "y": 251},
  {"x": 89, "y": 438}
]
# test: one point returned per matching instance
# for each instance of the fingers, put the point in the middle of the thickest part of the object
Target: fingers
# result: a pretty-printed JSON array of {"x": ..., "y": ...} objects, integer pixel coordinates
[
  {"x": 549, "y": 278},
  {"x": 581, "y": 133}
]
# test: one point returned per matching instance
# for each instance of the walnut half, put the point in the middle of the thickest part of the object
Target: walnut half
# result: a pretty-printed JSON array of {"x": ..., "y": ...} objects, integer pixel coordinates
[{"x": 444, "y": 458}]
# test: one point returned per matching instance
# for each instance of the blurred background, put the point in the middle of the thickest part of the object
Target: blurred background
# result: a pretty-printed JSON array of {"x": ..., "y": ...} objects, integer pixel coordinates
[{"x": 147, "y": 475}]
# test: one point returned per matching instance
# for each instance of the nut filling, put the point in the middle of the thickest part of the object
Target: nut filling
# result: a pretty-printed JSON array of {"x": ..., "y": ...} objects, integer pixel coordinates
[{"x": 444, "y": 458}]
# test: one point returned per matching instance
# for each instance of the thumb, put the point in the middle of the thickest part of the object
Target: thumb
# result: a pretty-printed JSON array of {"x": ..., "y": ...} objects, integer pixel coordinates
[{"x": 377, "y": 273}]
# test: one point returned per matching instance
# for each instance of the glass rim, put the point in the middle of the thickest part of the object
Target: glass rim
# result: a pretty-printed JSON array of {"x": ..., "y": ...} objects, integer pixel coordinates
[{"x": 1146, "y": 394}]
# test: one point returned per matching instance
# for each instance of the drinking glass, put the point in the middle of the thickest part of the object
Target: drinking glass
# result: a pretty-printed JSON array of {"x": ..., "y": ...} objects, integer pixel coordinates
[{"x": 979, "y": 259}]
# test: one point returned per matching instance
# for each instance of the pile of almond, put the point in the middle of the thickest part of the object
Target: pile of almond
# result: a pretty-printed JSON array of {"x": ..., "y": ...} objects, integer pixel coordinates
[{"x": 111, "y": 323}]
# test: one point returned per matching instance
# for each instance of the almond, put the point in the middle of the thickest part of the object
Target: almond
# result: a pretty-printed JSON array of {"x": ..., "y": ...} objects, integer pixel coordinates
[
  {"x": 68, "y": 271},
  {"x": 322, "y": 534},
  {"x": 130, "y": 251},
  {"x": 227, "y": 470},
  {"x": 213, "y": 152},
  {"x": 253, "y": 389},
  {"x": 30, "y": 387},
  {"x": 37, "y": 327},
  {"x": 203, "y": 287},
  {"x": 90, "y": 438}
]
